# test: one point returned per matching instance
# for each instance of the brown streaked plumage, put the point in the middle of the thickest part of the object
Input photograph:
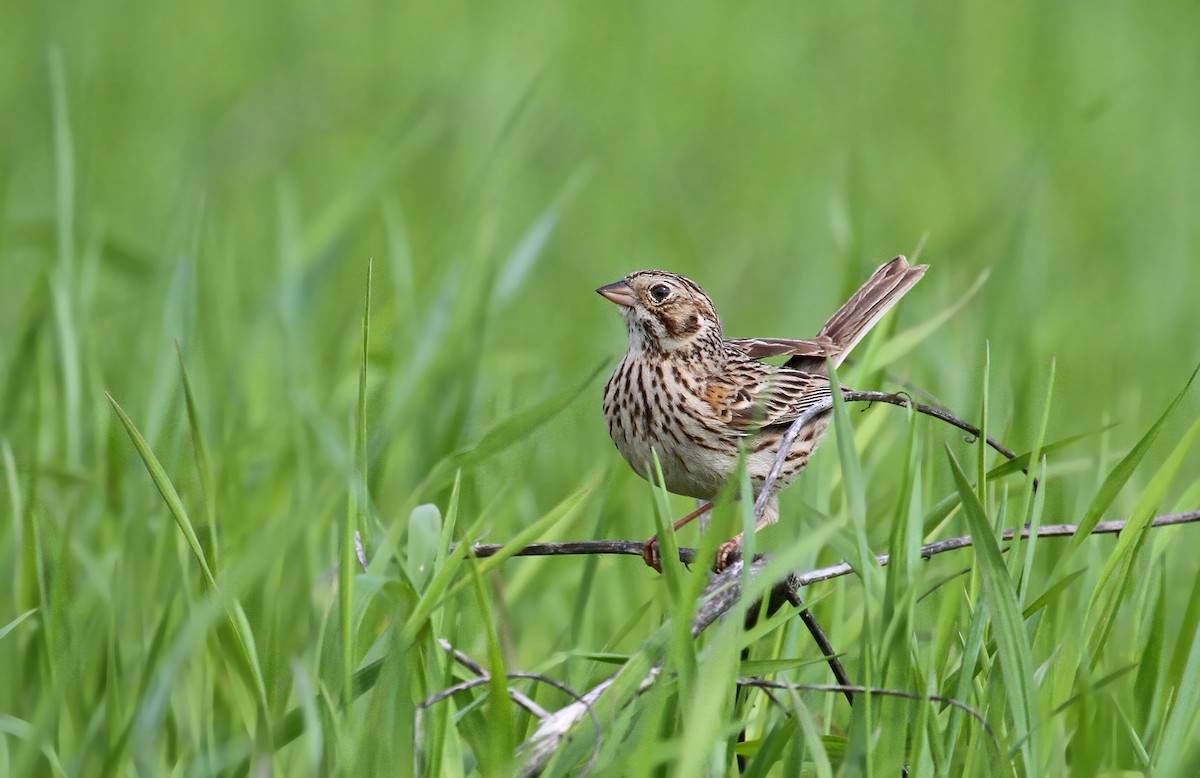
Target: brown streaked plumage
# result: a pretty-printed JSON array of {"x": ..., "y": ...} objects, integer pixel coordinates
[{"x": 686, "y": 392}]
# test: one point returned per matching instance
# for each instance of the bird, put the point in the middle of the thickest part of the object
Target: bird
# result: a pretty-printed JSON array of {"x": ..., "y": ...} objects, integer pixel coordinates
[{"x": 696, "y": 399}]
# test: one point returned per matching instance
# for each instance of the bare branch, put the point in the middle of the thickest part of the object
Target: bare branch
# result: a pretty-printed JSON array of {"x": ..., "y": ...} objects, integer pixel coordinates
[
  {"x": 578, "y": 548},
  {"x": 485, "y": 678},
  {"x": 688, "y": 555},
  {"x": 759, "y": 683},
  {"x": 450, "y": 691},
  {"x": 1045, "y": 531},
  {"x": 517, "y": 695},
  {"x": 540, "y": 746},
  {"x": 822, "y": 641},
  {"x": 904, "y": 401},
  {"x": 721, "y": 594}
]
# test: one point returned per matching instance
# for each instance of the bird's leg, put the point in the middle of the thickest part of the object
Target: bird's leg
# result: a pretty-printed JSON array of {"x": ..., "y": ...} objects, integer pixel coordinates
[
  {"x": 770, "y": 515},
  {"x": 650, "y": 547}
]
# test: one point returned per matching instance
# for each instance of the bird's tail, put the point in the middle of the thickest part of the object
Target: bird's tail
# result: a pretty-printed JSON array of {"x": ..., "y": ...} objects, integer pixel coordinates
[{"x": 868, "y": 305}]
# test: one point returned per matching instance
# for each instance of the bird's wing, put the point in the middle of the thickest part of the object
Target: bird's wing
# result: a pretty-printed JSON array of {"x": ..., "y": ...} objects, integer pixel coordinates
[
  {"x": 757, "y": 348},
  {"x": 749, "y": 395}
]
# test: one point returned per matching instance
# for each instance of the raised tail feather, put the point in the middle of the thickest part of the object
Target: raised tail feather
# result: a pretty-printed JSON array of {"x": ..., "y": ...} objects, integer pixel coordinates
[{"x": 863, "y": 310}]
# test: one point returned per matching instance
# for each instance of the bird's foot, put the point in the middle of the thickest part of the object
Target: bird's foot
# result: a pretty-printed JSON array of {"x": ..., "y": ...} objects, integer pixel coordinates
[
  {"x": 729, "y": 552},
  {"x": 650, "y": 554}
]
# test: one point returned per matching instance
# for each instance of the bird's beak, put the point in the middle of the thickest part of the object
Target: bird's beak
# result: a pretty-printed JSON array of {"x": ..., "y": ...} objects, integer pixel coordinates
[{"x": 620, "y": 293}]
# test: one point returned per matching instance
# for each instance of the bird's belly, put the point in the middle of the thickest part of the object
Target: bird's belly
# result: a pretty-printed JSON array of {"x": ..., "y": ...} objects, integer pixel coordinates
[
  {"x": 645, "y": 417},
  {"x": 685, "y": 470},
  {"x": 700, "y": 472}
]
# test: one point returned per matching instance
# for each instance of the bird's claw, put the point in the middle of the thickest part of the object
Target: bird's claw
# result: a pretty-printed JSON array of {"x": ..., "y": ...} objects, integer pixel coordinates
[
  {"x": 650, "y": 554},
  {"x": 728, "y": 553}
]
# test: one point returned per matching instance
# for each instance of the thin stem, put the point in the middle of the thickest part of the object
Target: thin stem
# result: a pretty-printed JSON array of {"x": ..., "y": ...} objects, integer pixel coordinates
[{"x": 688, "y": 555}]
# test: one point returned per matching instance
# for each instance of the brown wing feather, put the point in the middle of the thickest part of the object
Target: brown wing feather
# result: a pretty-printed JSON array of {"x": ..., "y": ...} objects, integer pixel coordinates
[
  {"x": 757, "y": 348},
  {"x": 750, "y": 395}
]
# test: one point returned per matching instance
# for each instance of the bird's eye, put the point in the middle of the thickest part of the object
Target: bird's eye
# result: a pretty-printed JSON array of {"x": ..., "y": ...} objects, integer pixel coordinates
[{"x": 660, "y": 292}]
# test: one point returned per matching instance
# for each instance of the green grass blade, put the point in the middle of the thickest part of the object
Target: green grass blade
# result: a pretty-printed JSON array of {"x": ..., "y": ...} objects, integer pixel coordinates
[
  {"x": 441, "y": 586},
  {"x": 1013, "y": 648},
  {"x": 63, "y": 280},
  {"x": 981, "y": 450},
  {"x": 167, "y": 490},
  {"x": 1178, "y": 735},
  {"x": 175, "y": 506},
  {"x": 1032, "y": 501},
  {"x": 853, "y": 480},
  {"x": 424, "y": 528},
  {"x": 668, "y": 545},
  {"x": 521, "y": 261},
  {"x": 10, "y": 626},
  {"x": 357, "y": 506},
  {"x": 203, "y": 462},
  {"x": 1052, "y": 591},
  {"x": 501, "y": 727},
  {"x": 1121, "y": 473},
  {"x": 515, "y": 428},
  {"x": 1106, "y": 598},
  {"x": 1021, "y": 461}
]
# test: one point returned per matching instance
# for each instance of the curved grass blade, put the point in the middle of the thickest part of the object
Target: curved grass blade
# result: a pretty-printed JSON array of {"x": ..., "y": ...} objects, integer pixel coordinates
[
  {"x": 523, "y": 258},
  {"x": 512, "y": 430},
  {"x": 1178, "y": 734},
  {"x": 203, "y": 461},
  {"x": 1016, "y": 661},
  {"x": 356, "y": 508},
  {"x": 175, "y": 505},
  {"x": 10, "y": 626},
  {"x": 1107, "y": 599},
  {"x": 1120, "y": 474},
  {"x": 442, "y": 585},
  {"x": 1021, "y": 461}
]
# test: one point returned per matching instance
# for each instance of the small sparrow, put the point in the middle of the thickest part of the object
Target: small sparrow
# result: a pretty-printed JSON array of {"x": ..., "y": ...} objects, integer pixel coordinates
[{"x": 696, "y": 398}]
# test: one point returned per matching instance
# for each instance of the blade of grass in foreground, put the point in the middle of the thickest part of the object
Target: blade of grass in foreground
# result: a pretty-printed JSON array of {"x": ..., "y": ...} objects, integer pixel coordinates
[
  {"x": 203, "y": 461},
  {"x": 1016, "y": 662},
  {"x": 1032, "y": 500},
  {"x": 501, "y": 726},
  {"x": 356, "y": 504},
  {"x": 707, "y": 704},
  {"x": 62, "y": 280},
  {"x": 442, "y": 585},
  {"x": 166, "y": 489},
  {"x": 944, "y": 507},
  {"x": 518, "y": 426},
  {"x": 1120, "y": 474},
  {"x": 1021, "y": 461},
  {"x": 981, "y": 450},
  {"x": 10, "y": 626},
  {"x": 1114, "y": 578},
  {"x": 1177, "y": 739},
  {"x": 668, "y": 545},
  {"x": 854, "y": 485}
]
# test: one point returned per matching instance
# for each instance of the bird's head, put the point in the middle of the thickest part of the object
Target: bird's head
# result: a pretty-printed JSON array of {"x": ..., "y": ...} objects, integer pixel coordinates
[{"x": 664, "y": 312}]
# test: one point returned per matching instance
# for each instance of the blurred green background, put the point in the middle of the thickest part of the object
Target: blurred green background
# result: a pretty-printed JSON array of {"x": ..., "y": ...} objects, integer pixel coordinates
[{"x": 219, "y": 175}]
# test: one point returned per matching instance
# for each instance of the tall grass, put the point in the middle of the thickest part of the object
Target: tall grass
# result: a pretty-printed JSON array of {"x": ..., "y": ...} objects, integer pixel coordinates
[{"x": 200, "y": 200}]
